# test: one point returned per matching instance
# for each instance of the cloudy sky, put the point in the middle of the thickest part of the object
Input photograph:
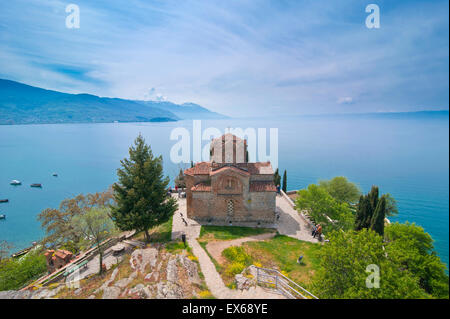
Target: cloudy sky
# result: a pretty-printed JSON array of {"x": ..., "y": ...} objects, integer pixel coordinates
[{"x": 240, "y": 58}]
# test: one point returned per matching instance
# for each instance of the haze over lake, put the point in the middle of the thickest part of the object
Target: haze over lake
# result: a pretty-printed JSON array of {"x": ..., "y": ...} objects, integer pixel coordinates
[{"x": 407, "y": 157}]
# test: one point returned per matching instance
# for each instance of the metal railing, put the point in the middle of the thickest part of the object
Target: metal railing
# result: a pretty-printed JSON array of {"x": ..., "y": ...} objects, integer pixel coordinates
[{"x": 274, "y": 279}]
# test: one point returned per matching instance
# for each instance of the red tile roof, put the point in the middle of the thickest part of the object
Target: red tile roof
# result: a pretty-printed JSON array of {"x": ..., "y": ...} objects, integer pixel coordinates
[
  {"x": 224, "y": 168},
  {"x": 201, "y": 168},
  {"x": 262, "y": 187},
  {"x": 205, "y": 168}
]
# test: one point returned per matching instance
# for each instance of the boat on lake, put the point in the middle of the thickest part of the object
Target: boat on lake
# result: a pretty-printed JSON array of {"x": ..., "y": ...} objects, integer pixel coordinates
[
  {"x": 22, "y": 252},
  {"x": 16, "y": 182},
  {"x": 55, "y": 174},
  {"x": 36, "y": 185},
  {"x": 2, "y": 216},
  {"x": 4, "y": 200}
]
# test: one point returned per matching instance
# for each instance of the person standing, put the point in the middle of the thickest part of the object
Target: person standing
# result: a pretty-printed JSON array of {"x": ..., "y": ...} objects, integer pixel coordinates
[
  {"x": 314, "y": 230},
  {"x": 319, "y": 231}
]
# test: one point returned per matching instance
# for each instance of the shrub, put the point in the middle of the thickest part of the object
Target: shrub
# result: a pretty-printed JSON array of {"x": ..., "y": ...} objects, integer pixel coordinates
[
  {"x": 205, "y": 294},
  {"x": 234, "y": 268},
  {"x": 237, "y": 254},
  {"x": 193, "y": 258},
  {"x": 16, "y": 273}
]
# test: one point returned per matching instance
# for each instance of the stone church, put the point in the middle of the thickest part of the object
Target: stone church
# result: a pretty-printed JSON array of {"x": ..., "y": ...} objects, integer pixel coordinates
[{"x": 228, "y": 190}]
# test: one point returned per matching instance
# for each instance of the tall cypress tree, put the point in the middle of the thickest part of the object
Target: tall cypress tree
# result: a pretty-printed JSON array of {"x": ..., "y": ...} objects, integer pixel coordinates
[
  {"x": 361, "y": 212},
  {"x": 377, "y": 223},
  {"x": 140, "y": 194},
  {"x": 284, "y": 181},
  {"x": 276, "y": 178},
  {"x": 371, "y": 211}
]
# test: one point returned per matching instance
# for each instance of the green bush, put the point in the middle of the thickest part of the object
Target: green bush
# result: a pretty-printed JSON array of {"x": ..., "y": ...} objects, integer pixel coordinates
[
  {"x": 237, "y": 254},
  {"x": 234, "y": 268},
  {"x": 16, "y": 273}
]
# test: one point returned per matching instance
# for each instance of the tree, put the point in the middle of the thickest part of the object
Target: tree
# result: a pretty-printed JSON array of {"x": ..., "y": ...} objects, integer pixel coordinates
[
  {"x": 371, "y": 211},
  {"x": 57, "y": 222},
  {"x": 276, "y": 178},
  {"x": 412, "y": 248},
  {"x": 5, "y": 247},
  {"x": 141, "y": 191},
  {"x": 320, "y": 205},
  {"x": 179, "y": 180},
  {"x": 284, "y": 181},
  {"x": 343, "y": 272},
  {"x": 95, "y": 226},
  {"x": 341, "y": 189},
  {"x": 391, "y": 205},
  {"x": 377, "y": 222},
  {"x": 18, "y": 272}
]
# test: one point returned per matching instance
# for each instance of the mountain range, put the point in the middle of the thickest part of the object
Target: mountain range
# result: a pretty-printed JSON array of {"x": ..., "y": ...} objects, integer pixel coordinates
[{"x": 25, "y": 104}]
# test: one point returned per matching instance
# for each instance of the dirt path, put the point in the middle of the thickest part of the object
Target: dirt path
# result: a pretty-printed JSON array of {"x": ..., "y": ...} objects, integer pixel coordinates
[{"x": 215, "y": 248}]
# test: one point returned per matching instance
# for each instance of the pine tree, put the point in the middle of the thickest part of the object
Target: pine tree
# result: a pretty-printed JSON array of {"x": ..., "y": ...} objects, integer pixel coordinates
[
  {"x": 284, "y": 181},
  {"x": 140, "y": 194}
]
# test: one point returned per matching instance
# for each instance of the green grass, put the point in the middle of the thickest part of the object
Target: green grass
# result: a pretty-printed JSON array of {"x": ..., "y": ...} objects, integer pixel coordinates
[
  {"x": 163, "y": 232},
  {"x": 230, "y": 232},
  {"x": 158, "y": 234},
  {"x": 282, "y": 252}
]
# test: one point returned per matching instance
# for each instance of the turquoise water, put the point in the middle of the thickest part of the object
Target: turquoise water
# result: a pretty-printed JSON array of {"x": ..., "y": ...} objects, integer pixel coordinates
[{"x": 408, "y": 158}]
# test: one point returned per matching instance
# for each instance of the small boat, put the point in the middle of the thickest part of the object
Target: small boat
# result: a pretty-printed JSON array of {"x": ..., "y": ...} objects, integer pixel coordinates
[
  {"x": 4, "y": 200},
  {"x": 15, "y": 182},
  {"x": 2, "y": 216},
  {"x": 55, "y": 175},
  {"x": 36, "y": 185},
  {"x": 21, "y": 253}
]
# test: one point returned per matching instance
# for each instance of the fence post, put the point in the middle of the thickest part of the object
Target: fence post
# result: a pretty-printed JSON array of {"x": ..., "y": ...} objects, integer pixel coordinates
[{"x": 276, "y": 281}]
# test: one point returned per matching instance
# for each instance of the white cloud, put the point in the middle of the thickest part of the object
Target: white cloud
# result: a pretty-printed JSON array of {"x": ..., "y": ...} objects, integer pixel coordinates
[{"x": 345, "y": 100}]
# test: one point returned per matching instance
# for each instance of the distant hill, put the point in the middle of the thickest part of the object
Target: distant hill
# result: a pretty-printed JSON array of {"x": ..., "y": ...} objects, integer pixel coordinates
[
  {"x": 25, "y": 104},
  {"x": 184, "y": 111}
]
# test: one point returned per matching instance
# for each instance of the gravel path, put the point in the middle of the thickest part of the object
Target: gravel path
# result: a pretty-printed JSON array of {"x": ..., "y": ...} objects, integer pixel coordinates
[{"x": 290, "y": 222}]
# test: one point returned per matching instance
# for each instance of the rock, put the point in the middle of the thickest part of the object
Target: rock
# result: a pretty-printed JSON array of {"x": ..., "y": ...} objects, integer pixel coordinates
[
  {"x": 153, "y": 276},
  {"x": 15, "y": 294},
  {"x": 169, "y": 290},
  {"x": 111, "y": 292},
  {"x": 78, "y": 291},
  {"x": 191, "y": 269},
  {"x": 242, "y": 282},
  {"x": 122, "y": 283},
  {"x": 141, "y": 291},
  {"x": 140, "y": 258},
  {"x": 108, "y": 282},
  {"x": 172, "y": 270},
  {"x": 251, "y": 270},
  {"x": 44, "y": 293}
]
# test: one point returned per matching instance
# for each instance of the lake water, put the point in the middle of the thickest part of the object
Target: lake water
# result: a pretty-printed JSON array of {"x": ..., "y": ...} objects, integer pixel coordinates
[{"x": 408, "y": 158}]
